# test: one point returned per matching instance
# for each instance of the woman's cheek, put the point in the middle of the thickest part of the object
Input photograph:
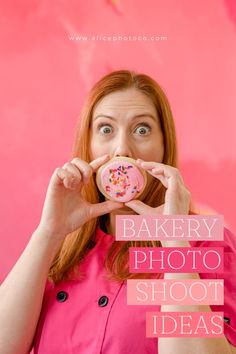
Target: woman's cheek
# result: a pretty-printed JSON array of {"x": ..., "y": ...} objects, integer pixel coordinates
[{"x": 102, "y": 146}]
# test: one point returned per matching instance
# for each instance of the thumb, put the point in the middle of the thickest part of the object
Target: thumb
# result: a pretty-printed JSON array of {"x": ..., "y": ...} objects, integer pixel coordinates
[
  {"x": 104, "y": 208},
  {"x": 139, "y": 207}
]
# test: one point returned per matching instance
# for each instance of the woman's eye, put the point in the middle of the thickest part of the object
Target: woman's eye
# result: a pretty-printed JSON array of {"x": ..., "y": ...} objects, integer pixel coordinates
[
  {"x": 143, "y": 129},
  {"x": 104, "y": 128}
]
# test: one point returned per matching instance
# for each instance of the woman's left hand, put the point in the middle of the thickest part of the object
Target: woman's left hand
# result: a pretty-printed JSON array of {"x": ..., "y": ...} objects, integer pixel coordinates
[{"x": 177, "y": 196}]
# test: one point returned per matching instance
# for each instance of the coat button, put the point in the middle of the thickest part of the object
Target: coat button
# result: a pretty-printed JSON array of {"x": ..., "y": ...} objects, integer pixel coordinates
[
  {"x": 227, "y": 320},
  {"x": 62, "y": 296},
  {"x": 103, "y": 301}
]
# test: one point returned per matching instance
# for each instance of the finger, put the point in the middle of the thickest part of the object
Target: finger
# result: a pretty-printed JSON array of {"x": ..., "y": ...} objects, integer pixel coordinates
[
  {"x": 149, "y": 165},
  {"x": 157, "y": 170},
  {"x": 65, "y": 177},
  {"x": 83, "y": 167},
  {"x": 169, "y": 171},
  {"x": 160, "y": 208},
  {"x": 159, "y": 175},
  {"x": 104, "y": 208},
  {"x": 168, "y": 182},
  {"x": 139, "y": 207},
  {"x": 74, "y": 170},
  {"x": 95, "y": 164}
]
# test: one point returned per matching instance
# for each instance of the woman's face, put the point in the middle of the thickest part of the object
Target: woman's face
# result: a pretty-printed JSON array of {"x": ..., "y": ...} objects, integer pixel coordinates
[{"x": 125, "y": 123}]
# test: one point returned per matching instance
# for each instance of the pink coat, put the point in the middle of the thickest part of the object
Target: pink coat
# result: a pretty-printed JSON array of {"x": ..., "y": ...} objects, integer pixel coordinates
[{"x": 91, "y": 316}]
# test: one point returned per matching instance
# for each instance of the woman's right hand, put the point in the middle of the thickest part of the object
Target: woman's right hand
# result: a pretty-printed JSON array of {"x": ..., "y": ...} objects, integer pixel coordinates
[{"x": 65, "y": 210}]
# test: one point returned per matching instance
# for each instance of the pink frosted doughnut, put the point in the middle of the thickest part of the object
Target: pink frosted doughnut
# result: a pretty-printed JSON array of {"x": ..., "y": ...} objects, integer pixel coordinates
[{"x": 120, "y": 179}]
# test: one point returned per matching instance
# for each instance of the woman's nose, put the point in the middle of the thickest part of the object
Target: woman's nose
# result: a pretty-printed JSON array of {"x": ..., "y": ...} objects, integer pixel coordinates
[{"x": 122, "y": 147}]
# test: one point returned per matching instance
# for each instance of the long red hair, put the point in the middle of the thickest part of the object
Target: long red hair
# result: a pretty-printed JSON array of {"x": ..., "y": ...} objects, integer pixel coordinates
[{"x": 73, "y": 249}]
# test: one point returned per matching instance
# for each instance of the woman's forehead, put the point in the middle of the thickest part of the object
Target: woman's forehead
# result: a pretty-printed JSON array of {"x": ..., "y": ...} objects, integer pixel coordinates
[{"x": 121, "y": 101}]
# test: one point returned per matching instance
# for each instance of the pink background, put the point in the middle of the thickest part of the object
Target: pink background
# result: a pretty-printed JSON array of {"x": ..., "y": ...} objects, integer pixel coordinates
[{"x": 45, "y": 77}]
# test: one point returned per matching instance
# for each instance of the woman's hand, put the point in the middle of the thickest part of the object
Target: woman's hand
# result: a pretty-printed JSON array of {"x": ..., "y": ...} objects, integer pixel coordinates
[
  {"x": 65, "y": 210},
  {"x": 177, "y": 197}
]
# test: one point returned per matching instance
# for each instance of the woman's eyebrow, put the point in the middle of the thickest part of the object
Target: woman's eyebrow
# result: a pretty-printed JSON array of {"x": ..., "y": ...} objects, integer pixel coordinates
[{"x": 136, "y": 116}]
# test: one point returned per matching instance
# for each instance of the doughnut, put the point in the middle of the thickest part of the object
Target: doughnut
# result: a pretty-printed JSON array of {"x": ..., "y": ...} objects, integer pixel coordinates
[{"x": 120, "y": 179}]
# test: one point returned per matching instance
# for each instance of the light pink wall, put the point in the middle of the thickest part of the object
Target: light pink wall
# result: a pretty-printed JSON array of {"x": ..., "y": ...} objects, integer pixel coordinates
[{"x": 45, "y": 77}]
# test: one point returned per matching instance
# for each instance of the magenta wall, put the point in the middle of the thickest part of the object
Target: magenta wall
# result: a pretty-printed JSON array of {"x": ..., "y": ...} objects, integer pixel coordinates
[{"x": 45, "y": 76}]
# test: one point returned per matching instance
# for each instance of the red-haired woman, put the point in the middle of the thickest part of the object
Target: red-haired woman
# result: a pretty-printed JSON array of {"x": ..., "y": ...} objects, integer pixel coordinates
[{"x": 67, "y": 292}]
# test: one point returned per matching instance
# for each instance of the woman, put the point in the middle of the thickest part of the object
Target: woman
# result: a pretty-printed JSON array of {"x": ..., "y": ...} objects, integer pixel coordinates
[{"x": 82, "y": 308}]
